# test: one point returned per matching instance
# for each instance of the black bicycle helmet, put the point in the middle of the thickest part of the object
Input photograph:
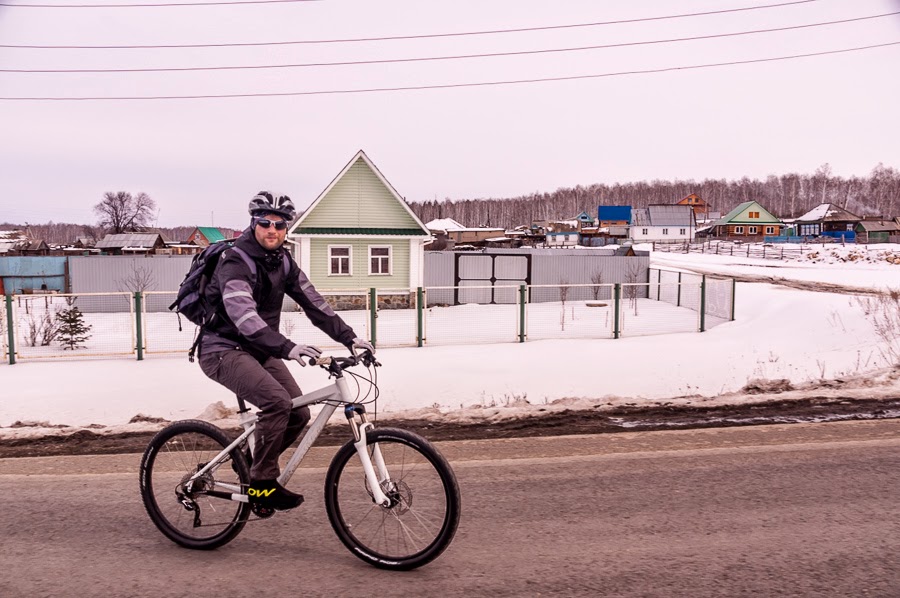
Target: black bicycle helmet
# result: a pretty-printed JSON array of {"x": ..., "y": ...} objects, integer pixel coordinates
[{"x": 267, "y": 202}]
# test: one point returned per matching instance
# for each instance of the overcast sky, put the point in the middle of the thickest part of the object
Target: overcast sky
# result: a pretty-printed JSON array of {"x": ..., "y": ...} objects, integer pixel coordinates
[{"x": 202, "y": 159}]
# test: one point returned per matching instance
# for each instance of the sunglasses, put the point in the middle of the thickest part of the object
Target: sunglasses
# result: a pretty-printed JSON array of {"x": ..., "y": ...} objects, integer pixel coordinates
[{"x": 279, "y": 224}]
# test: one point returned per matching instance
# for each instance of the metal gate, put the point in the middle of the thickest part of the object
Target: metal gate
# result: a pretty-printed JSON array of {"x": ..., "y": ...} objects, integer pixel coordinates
[{"x": 494, "y": 277}]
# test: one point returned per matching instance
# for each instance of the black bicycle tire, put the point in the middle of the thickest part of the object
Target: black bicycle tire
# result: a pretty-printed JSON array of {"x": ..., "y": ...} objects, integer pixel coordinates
[
  {"x": 149, "y": 499},
  {"x": 451, "y": 493}
]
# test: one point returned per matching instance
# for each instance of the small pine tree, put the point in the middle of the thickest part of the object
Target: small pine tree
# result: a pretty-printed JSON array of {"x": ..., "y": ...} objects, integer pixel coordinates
[{"x": 72, "y": 329}]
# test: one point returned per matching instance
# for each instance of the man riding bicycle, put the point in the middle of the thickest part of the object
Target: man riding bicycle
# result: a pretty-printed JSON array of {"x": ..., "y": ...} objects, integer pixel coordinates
[{"x": 242, "y": 349}]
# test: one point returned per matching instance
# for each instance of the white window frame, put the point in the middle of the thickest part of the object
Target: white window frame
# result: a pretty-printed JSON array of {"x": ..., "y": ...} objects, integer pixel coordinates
[
  {"x": 739, "y": 230},
  {"x": 390, "y": 260},
  {"x": 348, "y": 257},
  {"x": 644, "y": 232},
  {"x": 770, "y": 230},
  {"x": 665, "y": 231},
  {"x": 682, "y": 231},
  {"x": 753, "y": 230}
]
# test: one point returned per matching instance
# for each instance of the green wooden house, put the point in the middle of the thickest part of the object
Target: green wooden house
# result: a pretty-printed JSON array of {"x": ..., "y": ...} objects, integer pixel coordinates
[
  {"x": 748, "y": 221},
  {"x": 360, "y": 234}
]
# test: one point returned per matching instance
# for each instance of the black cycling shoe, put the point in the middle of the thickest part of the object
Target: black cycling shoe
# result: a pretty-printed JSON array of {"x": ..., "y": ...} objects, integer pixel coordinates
[{"x": 272, "y": 495}]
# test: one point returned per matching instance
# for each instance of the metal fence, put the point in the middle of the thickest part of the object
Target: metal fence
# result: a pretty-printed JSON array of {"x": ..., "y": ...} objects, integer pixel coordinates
[
  {"x": 137, "y": 325},
  {"x": 777, "y": 251}
]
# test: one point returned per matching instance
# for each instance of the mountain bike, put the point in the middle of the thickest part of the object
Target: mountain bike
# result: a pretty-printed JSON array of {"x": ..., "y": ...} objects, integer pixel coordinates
[{"x": 396, "y": 506}]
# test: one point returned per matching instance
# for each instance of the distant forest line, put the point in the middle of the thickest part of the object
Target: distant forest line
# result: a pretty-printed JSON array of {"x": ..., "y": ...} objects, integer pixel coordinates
[{"x": 786, "y": 196}]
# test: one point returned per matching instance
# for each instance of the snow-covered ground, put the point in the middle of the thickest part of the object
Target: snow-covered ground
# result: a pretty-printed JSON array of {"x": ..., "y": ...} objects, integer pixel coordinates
[{"x": 779, "y": 332}]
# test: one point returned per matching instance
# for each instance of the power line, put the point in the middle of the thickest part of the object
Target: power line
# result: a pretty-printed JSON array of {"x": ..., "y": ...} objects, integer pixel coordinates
[
  {"x": 455, "y": 57},
  {"x": 455, "y": 85},
  {"x": 406, "y": 37},
  {"x": 152, "y": 5}
]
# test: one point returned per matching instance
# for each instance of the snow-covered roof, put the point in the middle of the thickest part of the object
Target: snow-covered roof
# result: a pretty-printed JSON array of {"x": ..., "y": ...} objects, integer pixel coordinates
[
  {"x": 827, "y": 211},
  {"x": 444, "y": 224},
  {"x": 128, "y": 241}
]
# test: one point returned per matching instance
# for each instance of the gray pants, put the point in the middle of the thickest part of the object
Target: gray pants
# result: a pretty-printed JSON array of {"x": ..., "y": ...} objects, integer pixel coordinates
[{"x": 270, "y": 387}]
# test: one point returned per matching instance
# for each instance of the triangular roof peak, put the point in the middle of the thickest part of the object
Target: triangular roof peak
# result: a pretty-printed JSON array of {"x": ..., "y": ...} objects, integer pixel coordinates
[
  {"x": 361, "y": 156},
  {"x": 737, "y": 211}
]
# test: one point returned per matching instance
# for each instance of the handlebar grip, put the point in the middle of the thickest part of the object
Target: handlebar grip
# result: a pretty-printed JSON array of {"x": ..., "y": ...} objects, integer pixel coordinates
[{"x": 312, "y": 361}]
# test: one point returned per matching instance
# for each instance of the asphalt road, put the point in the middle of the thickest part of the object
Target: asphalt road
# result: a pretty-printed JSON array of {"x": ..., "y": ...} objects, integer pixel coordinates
[{"x": 789, "y": 510}]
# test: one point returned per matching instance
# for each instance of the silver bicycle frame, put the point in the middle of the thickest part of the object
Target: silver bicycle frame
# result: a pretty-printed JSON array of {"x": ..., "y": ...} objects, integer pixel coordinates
[{"x": 331, "y": 396}]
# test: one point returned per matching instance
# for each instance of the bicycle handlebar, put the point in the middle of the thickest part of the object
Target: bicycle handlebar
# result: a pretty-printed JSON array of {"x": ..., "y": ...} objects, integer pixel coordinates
[{"x": 366, "y": 358}]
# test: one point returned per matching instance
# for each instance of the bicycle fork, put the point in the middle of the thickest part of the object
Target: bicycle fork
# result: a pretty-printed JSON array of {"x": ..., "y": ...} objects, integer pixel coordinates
[{"x": 376, "y": 474}]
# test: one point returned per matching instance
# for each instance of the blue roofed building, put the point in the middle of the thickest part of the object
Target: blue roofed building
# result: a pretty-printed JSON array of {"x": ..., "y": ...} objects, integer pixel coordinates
[{"x": 613, "y": 216}]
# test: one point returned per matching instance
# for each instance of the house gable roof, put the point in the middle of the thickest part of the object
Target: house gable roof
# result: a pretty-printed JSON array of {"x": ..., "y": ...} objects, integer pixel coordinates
[
  {"x": 360, "y": 201},
  {"x": 737, "y": 215},
  {"x": 211, "y": 233}
]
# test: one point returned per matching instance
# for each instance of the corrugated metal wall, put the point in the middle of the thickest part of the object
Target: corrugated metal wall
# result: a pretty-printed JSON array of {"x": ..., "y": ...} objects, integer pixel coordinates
[
  {"x": 30, "y": 272},
  {"x": 111, "y": 274}
]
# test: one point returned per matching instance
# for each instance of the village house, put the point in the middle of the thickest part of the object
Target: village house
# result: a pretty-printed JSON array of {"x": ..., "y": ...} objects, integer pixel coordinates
[
  {"x": 748, "y": 221},
  {"x": 131, "y": 244},
  {"x": 359, "y": 234},
  {"x": 698, "y": 204},
  {"x": 877, "y": 231},
  {"x": 662, "y": 223},
  {"x": 827, "y": 220}
]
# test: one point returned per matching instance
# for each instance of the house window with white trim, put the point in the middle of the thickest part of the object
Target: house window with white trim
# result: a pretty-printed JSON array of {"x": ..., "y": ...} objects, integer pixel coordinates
[
  {"x": 665, "y": 231},
  {"x": 752, "y": 230},
  {"x": 379, "y": 260},
  {"x": 681, "y": 231},
  {"x": 739, "y": 230},
  {"x": 770, "y": 230},
  {"x": 644, "y": 231},
  {"x": 339, "y": 259}
]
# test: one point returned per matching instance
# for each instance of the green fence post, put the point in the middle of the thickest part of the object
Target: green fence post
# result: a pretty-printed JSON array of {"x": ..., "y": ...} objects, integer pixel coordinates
[
  {"x": 521, "y": 313},
  {"x": 373, "y": 313},
  {"x": 658, "y": 283},
  {"x": 420, "y": 314},
  {"x": 703, "y": 304},
  {"x": 138, "y": 322},
  {"x": 617, "y": 292},
  {"x": 679, "y": 291},
  {"x": 10, "y": 334},
  {"x": 733, "y": 290}
]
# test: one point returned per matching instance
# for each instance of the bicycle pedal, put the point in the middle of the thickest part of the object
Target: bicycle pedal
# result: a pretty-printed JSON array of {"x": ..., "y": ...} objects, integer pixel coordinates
[{"x": 261, "y": 511}]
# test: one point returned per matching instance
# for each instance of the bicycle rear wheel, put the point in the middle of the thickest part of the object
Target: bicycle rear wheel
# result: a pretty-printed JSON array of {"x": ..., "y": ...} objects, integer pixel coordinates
[
  {"x": 424, "y": 512},
  {"x": 184, "y": 512}
]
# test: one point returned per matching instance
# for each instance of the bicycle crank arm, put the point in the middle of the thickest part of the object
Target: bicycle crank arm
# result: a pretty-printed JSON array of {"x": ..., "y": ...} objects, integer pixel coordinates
[{"x": 228, "y": 495}]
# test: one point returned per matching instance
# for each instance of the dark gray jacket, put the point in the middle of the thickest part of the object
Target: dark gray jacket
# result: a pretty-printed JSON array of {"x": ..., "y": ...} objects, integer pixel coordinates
[{"x": 248, "y": 307}]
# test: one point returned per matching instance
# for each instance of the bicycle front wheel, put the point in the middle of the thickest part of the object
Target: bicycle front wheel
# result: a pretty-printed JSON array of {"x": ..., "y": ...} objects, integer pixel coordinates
[
  {"x": 182, "y": 509},
  {"x": 423, "y": 515}
]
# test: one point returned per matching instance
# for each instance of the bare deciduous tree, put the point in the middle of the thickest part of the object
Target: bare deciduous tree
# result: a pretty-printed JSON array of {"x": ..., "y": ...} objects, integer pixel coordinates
[
  {"x": 140, "y": 278},
  {"x": 633, "y": 276},
  {"x": 597, "y": 279},
  {"x": 563, "y": 295},
  {"x": 41, "y": 328},
  {"x": 120, "y": 212}
]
